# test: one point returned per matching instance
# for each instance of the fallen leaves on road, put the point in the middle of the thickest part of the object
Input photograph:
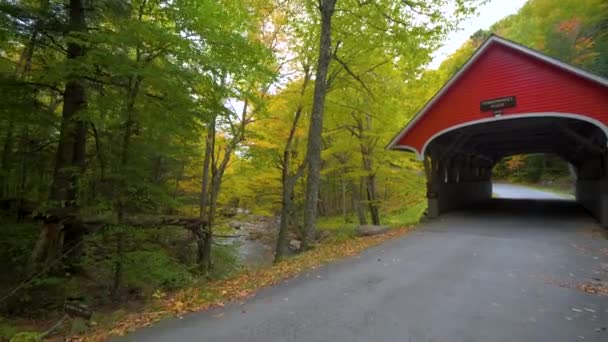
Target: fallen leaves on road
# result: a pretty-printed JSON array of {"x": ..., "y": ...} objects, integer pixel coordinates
[
  {"x": 215, "y": 294},
  {"x": 594, "y": 287},
  {"x": 595, "y": 232}
]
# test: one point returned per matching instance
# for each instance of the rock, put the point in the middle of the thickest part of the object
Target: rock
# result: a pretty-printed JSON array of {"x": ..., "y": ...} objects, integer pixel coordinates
[
  {"x": 228, "y": 212},
  {"x": 243, "y": 211},
  {"x": 235, "y": 224},
  {"x": 369, "y": 230},
  {"x": 295, "y": 245},
  {"x": 254, "y": 235}
]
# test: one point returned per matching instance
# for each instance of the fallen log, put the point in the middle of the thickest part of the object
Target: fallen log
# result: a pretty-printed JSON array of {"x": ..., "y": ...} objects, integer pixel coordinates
[{"x": 68, "y": 216}]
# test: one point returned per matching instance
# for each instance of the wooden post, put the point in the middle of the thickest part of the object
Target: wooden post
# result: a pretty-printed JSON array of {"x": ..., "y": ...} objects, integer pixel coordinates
[{"x": 431, "y": 167}]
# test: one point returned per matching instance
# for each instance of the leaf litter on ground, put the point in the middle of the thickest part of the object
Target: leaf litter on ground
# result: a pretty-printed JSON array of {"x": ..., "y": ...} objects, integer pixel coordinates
[{"x": 240, "y": 287}]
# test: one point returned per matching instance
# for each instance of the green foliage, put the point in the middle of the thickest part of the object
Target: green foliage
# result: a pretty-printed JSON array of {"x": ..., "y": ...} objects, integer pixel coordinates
[
  {"x": 153, "y": 259},
  {"x": 147, "y": 261},
  {"x": 27, "y": 336},
  {"x": 339, "y": 229},
  {"x": 78, "y": 326},
  {"x": 46, "y": 294},
  {"x": 225, "y": 262},
  {"x": 7, "y": 330},
  {"x": 151, "y": 270},
  {"x": 534, "y": 168},
  {"x": 17, "y": 240},
  {"x": 408, "y": 215}
]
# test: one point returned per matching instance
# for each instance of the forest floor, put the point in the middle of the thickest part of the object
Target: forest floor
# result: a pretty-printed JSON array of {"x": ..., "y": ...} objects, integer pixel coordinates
[
  {"x": 237, "y": 288},
  {"x": 252, "y": 244}
]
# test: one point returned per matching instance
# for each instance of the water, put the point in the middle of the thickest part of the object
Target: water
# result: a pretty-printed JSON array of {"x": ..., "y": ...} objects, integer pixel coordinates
[{"x": 254, "y": 241}]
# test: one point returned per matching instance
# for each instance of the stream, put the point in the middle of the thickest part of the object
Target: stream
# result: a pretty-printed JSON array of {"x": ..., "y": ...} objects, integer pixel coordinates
[{"x": 254, "y": 240}]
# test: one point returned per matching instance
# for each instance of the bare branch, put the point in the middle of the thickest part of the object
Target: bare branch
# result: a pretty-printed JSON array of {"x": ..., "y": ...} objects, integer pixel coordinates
[{"x": 356, "y": 77}]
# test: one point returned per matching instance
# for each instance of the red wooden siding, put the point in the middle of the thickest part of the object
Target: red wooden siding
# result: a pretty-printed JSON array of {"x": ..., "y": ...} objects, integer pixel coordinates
[{"x": 503, "y": 71}]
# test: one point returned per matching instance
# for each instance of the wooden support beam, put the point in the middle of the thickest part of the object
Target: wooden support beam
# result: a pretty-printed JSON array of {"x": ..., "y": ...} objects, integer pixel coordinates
[{"x": 580, "y": 139}]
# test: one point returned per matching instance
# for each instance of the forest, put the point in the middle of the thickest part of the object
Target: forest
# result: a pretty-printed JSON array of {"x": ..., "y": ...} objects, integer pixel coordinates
[{"x": 137, "y": 137}]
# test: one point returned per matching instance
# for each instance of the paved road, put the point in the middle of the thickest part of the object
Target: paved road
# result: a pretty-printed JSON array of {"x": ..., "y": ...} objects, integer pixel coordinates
[
  {"x": 503, "y": 190},
  {"x": 487, "y": 275}
]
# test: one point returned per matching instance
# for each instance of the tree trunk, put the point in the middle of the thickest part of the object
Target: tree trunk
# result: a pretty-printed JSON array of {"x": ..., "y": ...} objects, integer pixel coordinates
[
  {"x": 71, "y": 149},
  {"x": 313, "y": 154},
  {"x": 372, "y": 199},
  {"x": 288, "y": 180},
  {"x": 217, "y": 173},
  {"x": 50, "y": 242},
  {"x": 216, "y": 181},
  {"x": 343, "y": 191},
  {"x": 178, "y": 178},
  {"x": 370, "y": 183},
  {"x": 366, "y": 145},
  {"x": 23, "y": 168},
  {"x": 134, "y": 85},
  {"x": 285, "y": 221},
  {"x": 357, "y": 203},
  {"x": 74, "y": 101},
  {"x": 99, "y": 154},
  {"x": 203, "y": 233},
  {"x": 118, "y": 265},
  {"x": 6, "y": 160},
  {"x": 157, "y": 172}
]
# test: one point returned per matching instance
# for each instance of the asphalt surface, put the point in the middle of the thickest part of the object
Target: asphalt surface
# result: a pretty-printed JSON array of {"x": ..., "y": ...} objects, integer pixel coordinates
[
  {"x": 499, "y": 273},
  {"x": 503, "y": 190}
]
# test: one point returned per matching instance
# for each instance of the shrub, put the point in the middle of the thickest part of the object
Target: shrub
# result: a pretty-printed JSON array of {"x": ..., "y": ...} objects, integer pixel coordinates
[
  {"x": 225, "y": 261},
  {"x": 26, "y": 336},
  {"x": 7, "y": 331},
  {"x": 151, "y": 270}
]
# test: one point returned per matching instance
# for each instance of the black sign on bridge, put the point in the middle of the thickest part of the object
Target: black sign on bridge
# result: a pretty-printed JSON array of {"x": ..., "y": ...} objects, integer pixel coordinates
[{"x": 498, "y": 103}]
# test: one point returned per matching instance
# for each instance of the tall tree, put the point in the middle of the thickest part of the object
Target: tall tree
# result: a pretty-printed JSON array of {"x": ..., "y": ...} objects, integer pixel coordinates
[
  {"x": 313, "y": 153},
  {"x": 289, "y": 176},
  {"x": 70, "y": 155}
]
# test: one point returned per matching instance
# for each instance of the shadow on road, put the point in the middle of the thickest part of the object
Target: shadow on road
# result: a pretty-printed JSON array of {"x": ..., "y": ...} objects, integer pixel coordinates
[{"x": 526, "y": 209}]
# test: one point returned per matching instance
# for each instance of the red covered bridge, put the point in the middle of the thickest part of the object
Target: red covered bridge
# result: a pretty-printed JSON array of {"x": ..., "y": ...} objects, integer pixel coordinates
[{"x": 509, "y": 99}]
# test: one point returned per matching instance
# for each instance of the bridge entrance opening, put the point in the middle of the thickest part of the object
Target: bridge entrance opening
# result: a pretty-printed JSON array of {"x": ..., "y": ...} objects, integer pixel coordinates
[
  {"x": 460, "y": 163},
  {"x": 533, "y": 176}
]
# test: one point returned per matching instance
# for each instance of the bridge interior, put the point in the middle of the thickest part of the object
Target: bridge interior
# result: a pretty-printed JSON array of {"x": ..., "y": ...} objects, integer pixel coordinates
[{"x": 459, "y": 162}]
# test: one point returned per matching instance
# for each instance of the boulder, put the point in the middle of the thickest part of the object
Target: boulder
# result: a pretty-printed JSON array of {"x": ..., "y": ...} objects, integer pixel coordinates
[
  {"x": 235, "y": 224},
  {"x": 243, "y": 211},
  {"x": 369, "y": 230},
  {"x": 295, "y": 245}
]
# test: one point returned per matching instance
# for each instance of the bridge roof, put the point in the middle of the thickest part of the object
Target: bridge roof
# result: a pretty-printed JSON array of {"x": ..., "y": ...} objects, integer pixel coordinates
[{"x": 523, "y": 82}]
